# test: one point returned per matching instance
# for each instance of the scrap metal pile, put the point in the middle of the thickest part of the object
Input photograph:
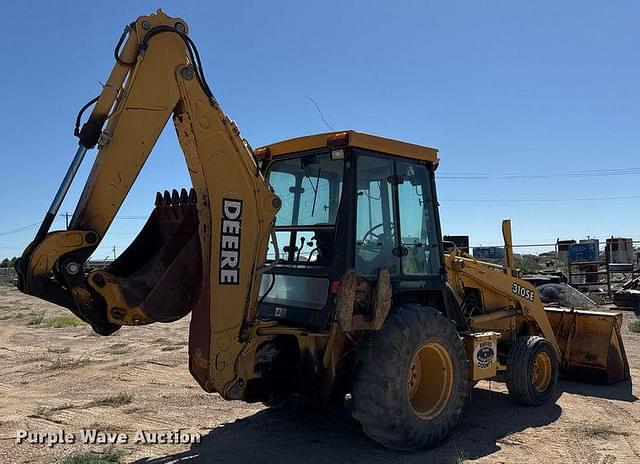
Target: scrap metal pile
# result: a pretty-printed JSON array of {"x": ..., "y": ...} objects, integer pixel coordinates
[{"x": 629, "y": 295}]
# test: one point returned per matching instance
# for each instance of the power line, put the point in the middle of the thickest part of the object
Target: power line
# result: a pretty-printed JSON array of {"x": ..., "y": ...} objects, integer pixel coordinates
[
  {"x": 577, "y": 174},
  {"x": 534, "y": 200},
  {"x": 24, "y": 228},
  {"x": 63, "y": 216}
]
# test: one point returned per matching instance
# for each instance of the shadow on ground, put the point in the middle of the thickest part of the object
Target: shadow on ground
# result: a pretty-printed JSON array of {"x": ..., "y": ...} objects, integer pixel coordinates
[
  {"x": 620, "y": 391},
  {"x": 292, "y": 435}
]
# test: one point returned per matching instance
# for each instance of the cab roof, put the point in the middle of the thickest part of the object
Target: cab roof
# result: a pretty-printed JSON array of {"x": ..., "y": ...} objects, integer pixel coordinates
[{"x": 351, "y": 138}]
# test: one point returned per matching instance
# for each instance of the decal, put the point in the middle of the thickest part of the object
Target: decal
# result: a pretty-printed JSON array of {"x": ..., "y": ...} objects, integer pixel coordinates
[
  {"x": 484, "y": 354},
  {"x": 522, "y": 292},
  {"x": 230, "y": 225}
]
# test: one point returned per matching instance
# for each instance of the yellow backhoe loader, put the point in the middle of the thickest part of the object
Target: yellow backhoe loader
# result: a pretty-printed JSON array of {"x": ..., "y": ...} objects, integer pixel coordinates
[{"x": 313, "y": 266}]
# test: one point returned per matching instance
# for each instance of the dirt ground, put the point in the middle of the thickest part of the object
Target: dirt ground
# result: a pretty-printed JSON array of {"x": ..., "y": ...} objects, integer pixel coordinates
[{"x": 69, "y": 379}]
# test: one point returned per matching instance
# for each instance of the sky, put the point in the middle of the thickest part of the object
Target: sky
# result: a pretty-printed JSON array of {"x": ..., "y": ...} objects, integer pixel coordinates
[{"x": 516, "y": 95}]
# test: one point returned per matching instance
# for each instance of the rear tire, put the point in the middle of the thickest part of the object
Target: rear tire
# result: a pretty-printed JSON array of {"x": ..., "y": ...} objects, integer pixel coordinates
[
  {"x": 532, "y": 371},
  {"x": 410, "y": 382}
]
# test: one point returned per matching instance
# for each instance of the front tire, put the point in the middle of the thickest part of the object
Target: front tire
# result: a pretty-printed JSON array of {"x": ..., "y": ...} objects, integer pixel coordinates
[
  {"x": 532, "y": 371},
  {"x": 410, "y": 382}
]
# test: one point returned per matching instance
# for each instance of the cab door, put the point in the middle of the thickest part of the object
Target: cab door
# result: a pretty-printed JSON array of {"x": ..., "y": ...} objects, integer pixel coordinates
[
  {"x": 376, "y": 225},
  {"x": 417, "y": 220},
  {"x": 396, "y": 222}
]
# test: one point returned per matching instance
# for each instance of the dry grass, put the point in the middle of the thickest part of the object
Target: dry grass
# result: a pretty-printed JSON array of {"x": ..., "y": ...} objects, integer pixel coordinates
[
  {"x": 171, "y": 348},
  {"x": 113, "y": 401},
  {"x": 53, "y": 361},
  {"x": 168, "y": 341},
  {"x": 13, "y": 311},
  {"x": 119, "y": 348},
  {"x": 110, "y": 456},
  {"x": 5, "y": 287},
  {"x": 634, "y": 326},
  {"x": 55, "y": 322},
  {"x": 67, "y": 363},
  {"x": 461, "y": 456},
  {"x": 61, "y": 350},
  {"x": 137, "y": 410},
  {"x": 600, "y": 432},
  {"x": 58, "y": 322},
  {"x": 47, "y": 413},
  {"x": 36, "y": 319},
  {"x": 170, "y": 345}
]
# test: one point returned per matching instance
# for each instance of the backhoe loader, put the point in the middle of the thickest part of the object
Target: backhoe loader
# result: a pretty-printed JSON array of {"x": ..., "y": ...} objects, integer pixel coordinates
[{"x": 314, "y": 266}]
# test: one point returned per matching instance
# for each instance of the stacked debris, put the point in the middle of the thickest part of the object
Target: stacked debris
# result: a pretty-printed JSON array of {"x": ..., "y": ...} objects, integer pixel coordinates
[
  {"x": 543, "y": 278},
  {"x": 628, "y": 297}
]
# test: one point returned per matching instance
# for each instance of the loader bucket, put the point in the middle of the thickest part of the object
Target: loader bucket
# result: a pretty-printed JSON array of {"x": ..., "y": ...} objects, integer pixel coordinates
[{"x": 590, "y": 343}]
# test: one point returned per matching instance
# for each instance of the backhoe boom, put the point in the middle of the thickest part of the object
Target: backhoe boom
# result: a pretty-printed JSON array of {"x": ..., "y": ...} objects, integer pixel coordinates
[{"x": 199, "y": 251}]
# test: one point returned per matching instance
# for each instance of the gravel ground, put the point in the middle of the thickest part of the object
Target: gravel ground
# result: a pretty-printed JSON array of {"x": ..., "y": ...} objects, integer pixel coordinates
[{"x": 56, "y": 379}]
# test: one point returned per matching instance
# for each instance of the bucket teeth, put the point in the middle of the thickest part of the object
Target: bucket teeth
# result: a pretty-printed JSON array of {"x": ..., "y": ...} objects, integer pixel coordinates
[
  {"x": 175, "y": 198},
  {"x": 174, "y": 206}
]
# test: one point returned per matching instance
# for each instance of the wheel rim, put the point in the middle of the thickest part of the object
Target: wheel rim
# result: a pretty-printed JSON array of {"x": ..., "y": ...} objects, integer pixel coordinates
[
  {"x": 430, "y": 380},
  {"x": 541, "y": 372}
]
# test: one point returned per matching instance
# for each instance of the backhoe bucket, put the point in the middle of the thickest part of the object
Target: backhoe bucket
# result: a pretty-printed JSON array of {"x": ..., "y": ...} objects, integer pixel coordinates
[
  {"x": 161, "y": 271},
  {"x": 590, "y": 345}
]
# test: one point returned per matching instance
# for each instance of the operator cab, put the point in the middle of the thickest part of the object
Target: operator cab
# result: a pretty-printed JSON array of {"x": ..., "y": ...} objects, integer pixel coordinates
[{"x": 349, "y": 200}]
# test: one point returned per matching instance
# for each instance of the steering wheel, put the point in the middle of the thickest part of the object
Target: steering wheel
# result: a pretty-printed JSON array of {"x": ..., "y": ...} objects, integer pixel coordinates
[{"x": 371, "y": 239}]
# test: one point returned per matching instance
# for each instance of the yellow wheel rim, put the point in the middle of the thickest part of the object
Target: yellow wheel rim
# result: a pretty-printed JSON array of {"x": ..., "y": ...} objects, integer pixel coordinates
[
  {"x": 430, "y": 380},
  {"x": 541, "y": 371}
]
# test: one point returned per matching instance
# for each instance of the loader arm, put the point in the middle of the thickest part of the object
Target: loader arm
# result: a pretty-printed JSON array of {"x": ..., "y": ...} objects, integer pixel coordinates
[
  {"x": 501, "y": 289},
  {"x": 201, "y": 251},
  {"x": 588, "y": 343}
]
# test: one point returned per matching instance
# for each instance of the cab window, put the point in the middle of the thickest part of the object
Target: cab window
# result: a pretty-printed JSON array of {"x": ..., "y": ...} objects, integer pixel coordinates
[{"x": 310, "y": 187}]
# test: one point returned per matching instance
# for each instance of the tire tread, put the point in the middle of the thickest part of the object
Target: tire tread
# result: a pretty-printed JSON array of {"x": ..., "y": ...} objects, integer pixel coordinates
[
  {"x": 377, "y": 392},
  {"x": 518, "y": 375}
]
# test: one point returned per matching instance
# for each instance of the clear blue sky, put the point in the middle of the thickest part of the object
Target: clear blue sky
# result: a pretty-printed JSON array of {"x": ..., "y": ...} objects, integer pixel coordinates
[{"x": 501, "y": 87}]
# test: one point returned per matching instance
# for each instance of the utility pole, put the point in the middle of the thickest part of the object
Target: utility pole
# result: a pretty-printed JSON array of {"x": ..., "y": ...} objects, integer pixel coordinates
[
  {"x": 66, "y": 218},
  {"x": 114, "y": 252}
]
